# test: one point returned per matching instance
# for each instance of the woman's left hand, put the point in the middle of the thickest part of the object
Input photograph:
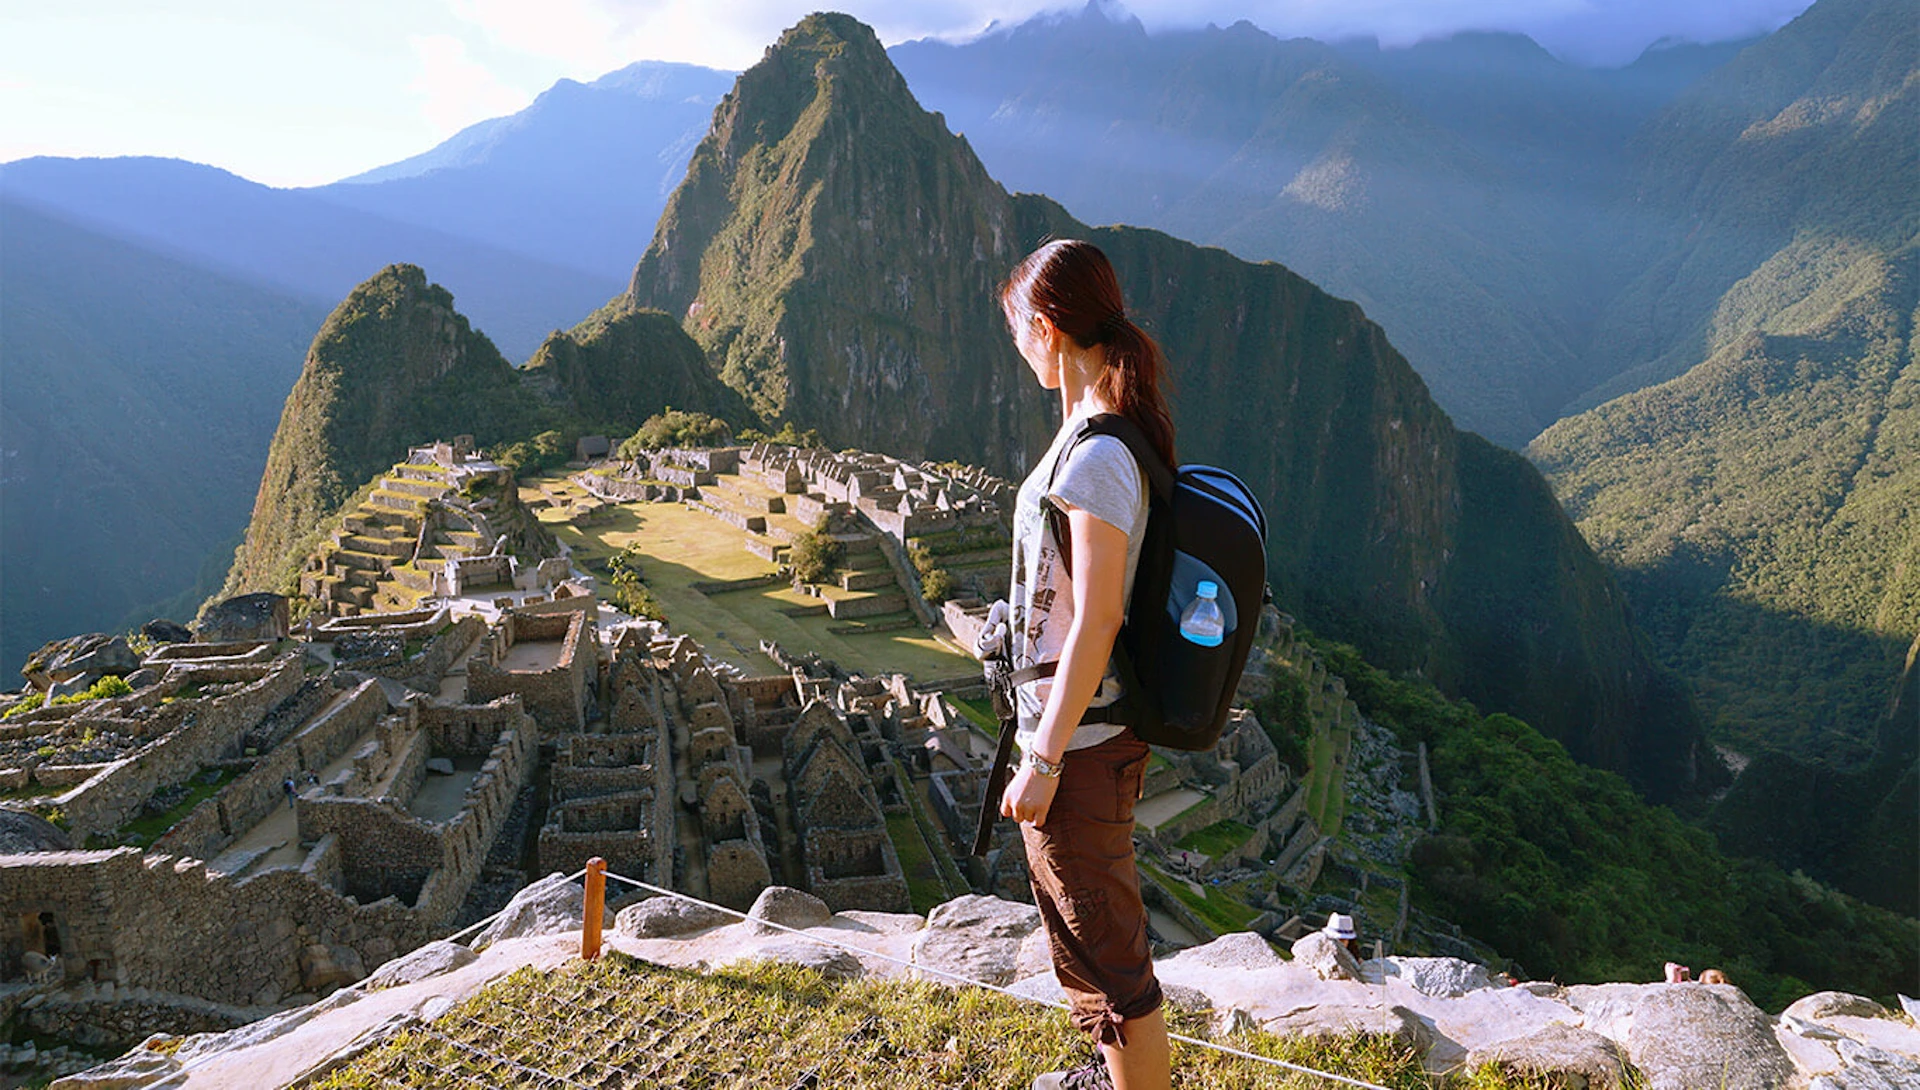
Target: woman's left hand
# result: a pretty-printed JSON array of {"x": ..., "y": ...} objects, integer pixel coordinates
[{"x": 1029, "y": 796}]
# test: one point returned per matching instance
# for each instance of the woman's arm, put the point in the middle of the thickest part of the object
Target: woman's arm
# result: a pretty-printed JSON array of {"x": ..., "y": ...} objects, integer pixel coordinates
[{"x": 1099, "y": 588}]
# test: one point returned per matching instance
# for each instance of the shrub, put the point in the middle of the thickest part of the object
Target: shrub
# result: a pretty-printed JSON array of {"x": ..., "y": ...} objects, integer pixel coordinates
[
  {"x": 814, "y": 553},
  {"x": 809, "y": 438},
  {"x": 33, "y": 700},
  {"x": 674, "y": 428},
  {"x": 937, "y": 585}
]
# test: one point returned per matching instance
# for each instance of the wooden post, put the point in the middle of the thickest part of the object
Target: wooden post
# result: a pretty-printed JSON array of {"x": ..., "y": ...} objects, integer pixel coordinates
[{"x": 596, "y": 910}]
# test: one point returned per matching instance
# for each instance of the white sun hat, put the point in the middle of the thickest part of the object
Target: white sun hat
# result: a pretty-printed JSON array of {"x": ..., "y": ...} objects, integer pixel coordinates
[{"x": 1340, "y": 926}]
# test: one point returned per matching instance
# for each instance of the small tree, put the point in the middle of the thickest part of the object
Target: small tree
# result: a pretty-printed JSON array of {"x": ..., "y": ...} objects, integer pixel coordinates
[
  {"x": 674, "y": 428},
  {"x": 814, "y": 554},
  {"x": 937, "y": 585}
]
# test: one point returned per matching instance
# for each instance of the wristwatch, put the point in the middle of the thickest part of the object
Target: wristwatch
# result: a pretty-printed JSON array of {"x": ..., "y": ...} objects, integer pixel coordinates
[{"x": 1049, "y": 769}]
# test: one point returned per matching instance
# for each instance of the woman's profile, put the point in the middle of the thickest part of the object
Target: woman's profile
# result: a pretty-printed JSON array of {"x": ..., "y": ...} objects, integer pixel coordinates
[{"x": 1082, "y": 769}]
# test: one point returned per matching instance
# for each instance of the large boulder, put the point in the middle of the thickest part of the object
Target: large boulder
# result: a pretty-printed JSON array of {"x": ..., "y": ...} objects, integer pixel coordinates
[
  {"x": 975, "y": 938},
  {"x": 788, "y": 907},
  {"x": 429, "y": 961},
  {"x": 161, "y": 630},
  {"x": 1691, "y": 1035},
  {"x": 1559, "y": 1055},
  {"x": 1237, "y": 950},
  {"x": 1328, "y": 959},
  {"x": 1823, "y": 1005},
  {"x": 664, "y": 917},
  {"x": 323, "y": 967},
  {"x": 246, "y": 617},
  {"x": 1443, "y": 978},
  {"x": 793, "y": 950},
  {"x": 95, "y": 654},
  {"x": 22, "y": 832},
  {"x": 1328, "y": 1020},
  {"x": 552, "y": 906}
]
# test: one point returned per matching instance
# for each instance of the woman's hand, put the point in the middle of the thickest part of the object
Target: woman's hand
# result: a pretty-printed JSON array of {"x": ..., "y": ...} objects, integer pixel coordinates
[{"x": 1029, "y": 795}]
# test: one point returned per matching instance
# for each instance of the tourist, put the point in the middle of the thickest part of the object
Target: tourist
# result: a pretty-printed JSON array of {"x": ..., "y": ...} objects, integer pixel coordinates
[
  {"x": 289, "y": 789},
  {"x": 1713, "y": 976},
  {"x": 1678, "y": 973},
  {"x": 1341, "y": 930},
  {"x": 1075, "y": 789}
]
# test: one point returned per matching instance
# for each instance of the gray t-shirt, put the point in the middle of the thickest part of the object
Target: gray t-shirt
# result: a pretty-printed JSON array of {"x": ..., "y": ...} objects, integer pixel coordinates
[{"x": 1101, "y": 478}]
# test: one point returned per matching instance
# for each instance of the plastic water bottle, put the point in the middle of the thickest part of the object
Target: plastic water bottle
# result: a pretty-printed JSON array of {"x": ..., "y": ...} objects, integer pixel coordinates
[{"x": 1202, "y": 622}]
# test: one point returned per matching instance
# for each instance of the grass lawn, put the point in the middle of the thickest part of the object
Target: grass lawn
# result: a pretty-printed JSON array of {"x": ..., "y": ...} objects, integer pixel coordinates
[
  {"x": 621, "y": 1022},
  {"x": 1218, "y": 911},
  {"x": 1217, "y": 839},
  {"x": 924, "y": 887},
  {"x": 143, "y": 831},
  {"x": 978, "y": 712},
  {"x": 680, "y": 547}
]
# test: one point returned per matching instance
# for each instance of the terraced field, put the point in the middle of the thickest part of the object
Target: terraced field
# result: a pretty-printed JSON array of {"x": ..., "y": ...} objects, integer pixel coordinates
[{"x": 684, "y": 550}]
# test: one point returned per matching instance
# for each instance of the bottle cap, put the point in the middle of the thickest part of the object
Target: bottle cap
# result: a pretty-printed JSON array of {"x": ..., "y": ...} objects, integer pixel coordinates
[{"x": 1207, "y": 589}]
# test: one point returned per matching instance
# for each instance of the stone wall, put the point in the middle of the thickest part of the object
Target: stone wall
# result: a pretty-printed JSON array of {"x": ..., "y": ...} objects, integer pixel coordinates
[
  {"x": 556, "y": 696},
  {"x": 211, "y": 729}
]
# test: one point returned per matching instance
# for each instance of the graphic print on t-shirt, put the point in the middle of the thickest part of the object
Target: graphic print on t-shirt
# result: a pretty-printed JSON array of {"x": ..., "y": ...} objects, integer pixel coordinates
[{"x": 1101, "y": 478}]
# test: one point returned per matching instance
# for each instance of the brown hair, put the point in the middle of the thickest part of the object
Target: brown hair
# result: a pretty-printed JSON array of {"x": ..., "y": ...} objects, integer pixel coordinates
[{"x": 1073, "y": 285}]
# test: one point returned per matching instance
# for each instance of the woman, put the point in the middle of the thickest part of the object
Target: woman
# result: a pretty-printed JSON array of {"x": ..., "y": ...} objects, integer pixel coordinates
[{"x": 1081, "y": 773}]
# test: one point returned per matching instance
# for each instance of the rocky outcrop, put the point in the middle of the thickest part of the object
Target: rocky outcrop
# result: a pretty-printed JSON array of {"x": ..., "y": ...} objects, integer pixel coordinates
[
  {"x": 549, "y": 906},
  {"x": 1585, "y": 1036},
  {"x": 79, "y": 657}
]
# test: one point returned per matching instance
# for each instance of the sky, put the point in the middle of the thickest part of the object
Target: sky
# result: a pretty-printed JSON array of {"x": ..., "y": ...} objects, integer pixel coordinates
[{"x": 305, "y": 92}]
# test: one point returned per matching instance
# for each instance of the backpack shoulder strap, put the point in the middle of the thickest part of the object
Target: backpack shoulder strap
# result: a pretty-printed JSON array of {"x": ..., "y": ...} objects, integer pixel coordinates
[{"x": 1160, "y": 476}]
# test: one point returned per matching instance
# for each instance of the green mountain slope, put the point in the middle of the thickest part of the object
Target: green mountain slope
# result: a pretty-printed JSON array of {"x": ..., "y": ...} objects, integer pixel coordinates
[
  {"x": 138, "y": 401},
  {"x": 396, "y": 365},
  {"x": 1761, "y": 509},
  {"x": 1786, "y": 171},
  {"x": 1761, "y": 506},
  {"x": 834, "y": 249}
]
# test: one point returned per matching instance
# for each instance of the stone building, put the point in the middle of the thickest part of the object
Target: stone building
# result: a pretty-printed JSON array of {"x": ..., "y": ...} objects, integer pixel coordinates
[
  {"x": 550, "y": 660},
  {"x": 849, "y": 858}
]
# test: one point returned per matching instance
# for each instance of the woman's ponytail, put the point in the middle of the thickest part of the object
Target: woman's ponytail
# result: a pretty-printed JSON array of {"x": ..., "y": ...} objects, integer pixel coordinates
[{"x": 1073, "y": 284}]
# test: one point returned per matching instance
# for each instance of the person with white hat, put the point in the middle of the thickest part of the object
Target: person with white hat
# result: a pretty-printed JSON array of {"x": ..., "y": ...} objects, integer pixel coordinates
[{"x": 1341, "y": 930}]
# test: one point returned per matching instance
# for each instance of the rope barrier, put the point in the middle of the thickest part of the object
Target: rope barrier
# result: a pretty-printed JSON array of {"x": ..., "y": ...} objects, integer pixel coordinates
[{"x": 958, "y": 979}]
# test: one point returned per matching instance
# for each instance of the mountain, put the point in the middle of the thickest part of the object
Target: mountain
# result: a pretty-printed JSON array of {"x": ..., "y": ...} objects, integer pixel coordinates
[
  {"x": 833, "y": 250},
  {"x": 1761, "y": 505},
  {"x": 395, "y": 365},
  {"x": 576, "y": 180},
  {"x": 295, "y": 243},
  {"x": 139, "y": 398},
  {"x": 1461, "y": 190},
  {"x": 1767, "y": 184}
]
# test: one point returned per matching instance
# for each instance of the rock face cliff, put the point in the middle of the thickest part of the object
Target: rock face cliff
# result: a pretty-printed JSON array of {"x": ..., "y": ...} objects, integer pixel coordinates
[
  {"x": 394, "y": 364},
  {"x": 834, "y": 251}
]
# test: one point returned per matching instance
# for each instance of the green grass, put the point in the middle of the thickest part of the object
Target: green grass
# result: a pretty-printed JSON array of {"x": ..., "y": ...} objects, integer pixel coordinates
[
  {"x": 1217, "y": 839},
  {"x": 622, "y": 1022},
  {"x": 1216, "y": 910},
  {"x": 680, "y": 547},
  {"x": 142, "y": 831},
  {"x": 924, "y": 886},
  {"x": 977, "y": 712}
]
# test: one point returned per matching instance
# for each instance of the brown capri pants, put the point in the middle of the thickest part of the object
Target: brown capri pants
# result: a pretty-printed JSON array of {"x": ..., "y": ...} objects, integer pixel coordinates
[{"x": 1081, "y": 865}]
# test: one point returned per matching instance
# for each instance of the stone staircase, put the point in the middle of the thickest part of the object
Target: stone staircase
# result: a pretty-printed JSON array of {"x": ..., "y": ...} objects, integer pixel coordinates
[{"x": 389, "y": 550}]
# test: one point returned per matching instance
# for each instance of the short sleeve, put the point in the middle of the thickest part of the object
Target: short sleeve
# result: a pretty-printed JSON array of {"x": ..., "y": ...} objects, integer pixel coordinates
[{"x": 1102, "y": 479}]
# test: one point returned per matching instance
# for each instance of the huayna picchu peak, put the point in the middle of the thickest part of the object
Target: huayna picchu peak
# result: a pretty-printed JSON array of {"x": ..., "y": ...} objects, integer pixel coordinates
[{"x": 835, "y": 250}]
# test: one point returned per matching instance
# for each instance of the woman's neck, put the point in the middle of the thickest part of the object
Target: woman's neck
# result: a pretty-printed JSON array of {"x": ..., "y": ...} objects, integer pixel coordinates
[{"x": 1079, "y": 385}]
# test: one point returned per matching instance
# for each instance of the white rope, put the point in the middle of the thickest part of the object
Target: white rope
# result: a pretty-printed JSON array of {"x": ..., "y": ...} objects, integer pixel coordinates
[{"x": 958, "y": 979}]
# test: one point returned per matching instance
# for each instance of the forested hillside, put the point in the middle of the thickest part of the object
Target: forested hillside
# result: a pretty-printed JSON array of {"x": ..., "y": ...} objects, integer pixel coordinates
[
  {"x": 140, "y": 392},
  {"x": 1761, "y": 506}
]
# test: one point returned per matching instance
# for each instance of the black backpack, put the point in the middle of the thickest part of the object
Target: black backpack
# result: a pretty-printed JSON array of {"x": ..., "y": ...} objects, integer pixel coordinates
[{"x": 1202, "y": 524}]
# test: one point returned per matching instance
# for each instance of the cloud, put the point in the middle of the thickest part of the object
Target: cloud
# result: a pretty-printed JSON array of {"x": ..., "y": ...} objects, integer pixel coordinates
[{"x": 456, "y": 89}]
